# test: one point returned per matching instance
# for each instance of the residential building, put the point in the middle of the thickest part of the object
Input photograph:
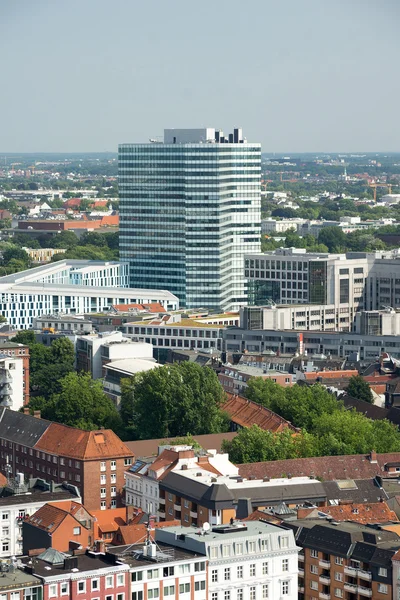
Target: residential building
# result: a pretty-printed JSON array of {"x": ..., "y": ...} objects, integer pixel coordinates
[
  {"x": 95, "y": 351},
  {"x": 12, "y": 390},
  {"x": 43, "y": 255},
  {"x": 248, "y": 561},
  {"x": 63, "y": 526},
  {"x": 71, "y": 324},
  {"x": 71, "y": 287},
  {"x": 234, "y": 378},
  {"x": 92, "y": 575},
  {"x": 148, "y": 450},
  {"x": 20, "y": 499},
  {"x": 143, "y": 477},
  {"x": 16, "y": 584},
  {"x": 197, "y": 496},
  {"x": 12, "y": 349},
  {"x": 117, "y": 370},
  {"x": 159, "y": 570},
  {"x": 198, "y": 215},
  {"x": 346, "y": 560},
  {"x": 94, "y": 461}
]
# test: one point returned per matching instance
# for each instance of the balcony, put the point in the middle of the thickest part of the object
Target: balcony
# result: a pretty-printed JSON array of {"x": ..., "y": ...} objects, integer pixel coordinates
[
  {"x": 365, "y": 591},
  {"x": 193, "y": 514},
  {"x": 350, "y": 587},
  {"x": 177, "y": 507},
  {"x": 161, "y": 514},
  {"x": 325, "y": 564},
  {"x": 324, "y": 596},
  {"x": 367, "y": 575},
  {"x": 301, "y": 571},
  {"x": 301, "y": 589},
  {"x": 350, "y": 571},
  {"x": 161, "y": 500},
  {"x": 325, "y": 579},
  {"x": 301, "y": 557}
]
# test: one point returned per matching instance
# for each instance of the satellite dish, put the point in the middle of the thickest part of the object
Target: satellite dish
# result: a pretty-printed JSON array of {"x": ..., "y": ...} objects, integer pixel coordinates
[{"x": 206, "y": 526}]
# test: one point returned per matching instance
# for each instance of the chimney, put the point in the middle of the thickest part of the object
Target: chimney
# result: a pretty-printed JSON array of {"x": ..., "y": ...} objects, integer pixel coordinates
[
  {"x": 266, "y": 479},
  {"x": 373, "y": 457},
  {"x": 26, "y": 410},
  {"x": 36, "y": 414},
  {"x": 244, "y": 508}
]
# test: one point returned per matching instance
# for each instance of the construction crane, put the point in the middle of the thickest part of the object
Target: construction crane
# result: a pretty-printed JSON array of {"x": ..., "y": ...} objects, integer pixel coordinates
[{"x": 376, "y": 185}]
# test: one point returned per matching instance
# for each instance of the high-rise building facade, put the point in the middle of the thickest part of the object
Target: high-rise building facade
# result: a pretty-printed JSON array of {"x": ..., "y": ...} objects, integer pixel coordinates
[{"x": 189, "y": 212}]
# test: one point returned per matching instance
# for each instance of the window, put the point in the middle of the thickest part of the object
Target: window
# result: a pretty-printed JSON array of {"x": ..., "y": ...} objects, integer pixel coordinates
[
  {"x": 239, "y": 594},
  {"x": 200, "y": 585},
  {"x": 226, "y": 551},
  {"x": 153, "y": 593},
  {"x": 184, "y": 569},
  {"x": 81, "y": 587},
  {"x": 265, "y": 590},
  {"x": 109, "y": 581},
  {"x": 102, "y": 466},
  {"x": 214, "y": 576},
  {"x": 338, "y": 576},
  {"x": 120, "y": 596},
  {"x": 313, "y": 569},
  {"x": 168, "y": 571},
  {"x": 169, "y": 590},
  {"x": 113, "y": 464},
  {"x": 64, "y": 588},
  {"x": 5, "y": 547},
  {"x": 103, "y": 505},
  {"x": 113, "y": 478},
  {"x": 184, "y": 588},
  {"x": 252, "y": 570},
  {"x": 240, "y": 572},
  {"x": 382, "y": 572},
  {"x": 137, "y": 576},
  {"x": 382, "y": 588},
  {"x": 338, "y": 593},
  {"x": 5, "y": 516},
  {"x": 285, "y": 564},
  {"x": 152, "y": 574},
  {"x": 314, "y": 585},
  {"x": 102, "y": 492},
  {"x": 227, "y": 595},
  {"x": 52, "y": 591},
  {"x": 95, "y": 584},
  {"x": 214, "y": 552},
  {"x": 284, "y": 542},
  {"x": 77, "y": 530},
  {"x": 252, "y": 593},
  {"x": 201, "y": 566},
  {"x": 113, "y": 504},
  {"x": 252, "y": 546},
  {"x": 227, "y": 574},
  {"x": 113, "y": 491},
  {"x": 338, "y": 560},
  {"x": 314, "y": 553},
  {"x": 214, "y": 596},
  {"x": 239, "y": 549},
  {"x": 102, "y": 479}
]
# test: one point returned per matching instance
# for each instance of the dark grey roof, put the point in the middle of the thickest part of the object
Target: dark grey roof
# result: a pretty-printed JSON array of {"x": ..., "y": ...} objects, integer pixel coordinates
[
  {"x": 218, "y": 493},
  {"x": 20, "y": 428},
  {"x": 196, "y": 491},
  {"x": 296, "y": 493},
  {"x": 369, "y": 410},
  {"x": 357, "y": 491}
]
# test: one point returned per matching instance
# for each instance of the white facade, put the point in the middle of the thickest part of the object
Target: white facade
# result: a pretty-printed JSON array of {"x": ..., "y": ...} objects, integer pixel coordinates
[
  {"x": 122, "y": 369},
  {"x": 11, "y": 382},
  {"x": 72, "y": 287},
  {"x": 251, "y": 561}
]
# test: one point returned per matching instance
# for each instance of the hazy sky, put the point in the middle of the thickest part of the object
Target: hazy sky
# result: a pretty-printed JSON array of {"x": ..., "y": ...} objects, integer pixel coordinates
[{"x": 297, "y": 75}]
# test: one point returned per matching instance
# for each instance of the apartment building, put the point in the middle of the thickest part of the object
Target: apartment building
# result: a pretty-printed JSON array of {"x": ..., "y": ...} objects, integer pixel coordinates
[
  {"x": 344, "y": 560},
  {"x": 19, "y": 500},
  {"x": 142, "y": 478},
  {"x": 197, "y": 496},
  {"x": 56, "y": 323},
  {"x": 94, "y": 461},
  {"x": 12, "y": 349},
  {"x": 94, "y": 351},
  {"x": 118, "y": 370},
  {"x": 12, "y": 382},
  {"x": 234, "y": 379},
  {"x": 15, "y": 584},
  {"x": 190, "y": 228},
  {"x": 246, "y": 561},
  {"x": 71, "y": 287}
]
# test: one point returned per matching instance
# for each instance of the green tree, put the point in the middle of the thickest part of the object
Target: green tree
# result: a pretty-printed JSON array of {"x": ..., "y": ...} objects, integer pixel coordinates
[
  {"x": 64, "y": 239},
  {"x": 17, "y": 254},
  {"x": 173, "y": 400},
  {"x": 333, "y": 237},
  {"x": 359, "y": 388}
]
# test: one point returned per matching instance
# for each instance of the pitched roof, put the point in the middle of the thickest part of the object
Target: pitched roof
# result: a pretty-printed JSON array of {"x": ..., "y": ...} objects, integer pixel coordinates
[
  {"x": 20, "y": 428},
  {"x": 52, "y": 556},
  {"x": 49, "y": 517},
  {"x": 246, "y": 413},
  {"x": 375, "y": 512},
  {"x": 133, "y": 534},
  {"x": 109, "y": 520},
  {"x": 83, "y": 445},
  {"x": 356, "y": 466}
]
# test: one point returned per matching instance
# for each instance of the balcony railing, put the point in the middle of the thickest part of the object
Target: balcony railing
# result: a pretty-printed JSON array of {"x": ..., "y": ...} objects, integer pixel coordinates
[
  {"x": 177, "y": 507},
  {"x": 301, "y": 557},
  {"x": 367, "y": 575},
  {"x": 365, "y": 591},
  {"x": 350, "y": 571},
  {"x": 324, "y": 596},
  {"x": 350, "y": 587},
  {"x": 325, "y": 579},
  {"x": 325, "y": 563}
]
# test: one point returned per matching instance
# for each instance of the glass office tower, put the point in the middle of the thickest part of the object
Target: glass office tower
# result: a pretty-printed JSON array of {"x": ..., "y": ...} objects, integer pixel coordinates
[{"x": 189, "y": 212}]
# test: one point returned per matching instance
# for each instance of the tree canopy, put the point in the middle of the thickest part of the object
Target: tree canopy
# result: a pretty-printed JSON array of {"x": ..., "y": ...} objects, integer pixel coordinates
[
  {"x": 359, "y": 388},
  {"x": 173, "y": 400}
]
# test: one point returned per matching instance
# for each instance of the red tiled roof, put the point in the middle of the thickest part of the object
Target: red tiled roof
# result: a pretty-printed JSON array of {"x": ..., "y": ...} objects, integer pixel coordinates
[
  {"x": 246, "y": 413},
  {"x": 3, "y": 480},
  {"x": 153, "y": 307},
  {"x": 374, "y": 512},
  {"x": 259, "y": 515},
  {"x": 133, "y": 534},
  {"x": 72, "y": 202},
  {"x": 329, "y": 468},
  {"x": 48, "y": 517},
  {"x": 83, "y": 445},
  {"x": 109, "y": 520},
  {"x": 330, "y": 374}
]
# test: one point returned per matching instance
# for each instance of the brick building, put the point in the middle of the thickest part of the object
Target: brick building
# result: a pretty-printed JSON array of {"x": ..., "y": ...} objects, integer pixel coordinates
[
  {"x": 94, "y": 461},
  {"x": 346, "y": 560}
]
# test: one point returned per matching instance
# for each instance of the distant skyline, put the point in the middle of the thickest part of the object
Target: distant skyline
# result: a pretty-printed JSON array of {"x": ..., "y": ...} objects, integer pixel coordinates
[{"x": 297, "y": 76}]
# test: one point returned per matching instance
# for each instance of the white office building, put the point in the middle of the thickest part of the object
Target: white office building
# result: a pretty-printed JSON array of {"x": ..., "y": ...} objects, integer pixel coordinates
[
  {"x": 246, "y": 561},
  {"x": 189, "y": 212},
  {"x": 72, "y": 287}
]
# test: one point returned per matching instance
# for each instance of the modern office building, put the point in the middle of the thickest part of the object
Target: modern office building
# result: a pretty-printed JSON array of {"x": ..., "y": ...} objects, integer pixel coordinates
[
  {"x": 72, "y": 287},
  {"x": 189, "y": 212}
]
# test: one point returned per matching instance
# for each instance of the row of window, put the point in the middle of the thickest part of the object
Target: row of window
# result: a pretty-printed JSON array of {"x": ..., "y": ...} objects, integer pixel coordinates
[
  {"x": 252, "y": 571},
  {"x": 227, "y": 595},
  {"x": 250, "y": 547},
  {"x": 184, "y": 569}
]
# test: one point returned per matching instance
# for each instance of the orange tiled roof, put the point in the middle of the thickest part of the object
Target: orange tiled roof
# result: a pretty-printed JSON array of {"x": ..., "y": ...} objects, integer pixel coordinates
[
  {"x": 48, "y": 517},
  {"x": 109, "y": 520},
  {"x": 83, "y": 445},
  {"x": 330, "y": 374},
  {"x": 133, "y": 534},
  {"x": 246, "y": 413},
  {"x": 374, "y": 512}
]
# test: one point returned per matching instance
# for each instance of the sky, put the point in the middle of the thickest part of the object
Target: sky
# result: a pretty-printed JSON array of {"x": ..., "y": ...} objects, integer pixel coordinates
[{"x": 297, "y": 75}]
